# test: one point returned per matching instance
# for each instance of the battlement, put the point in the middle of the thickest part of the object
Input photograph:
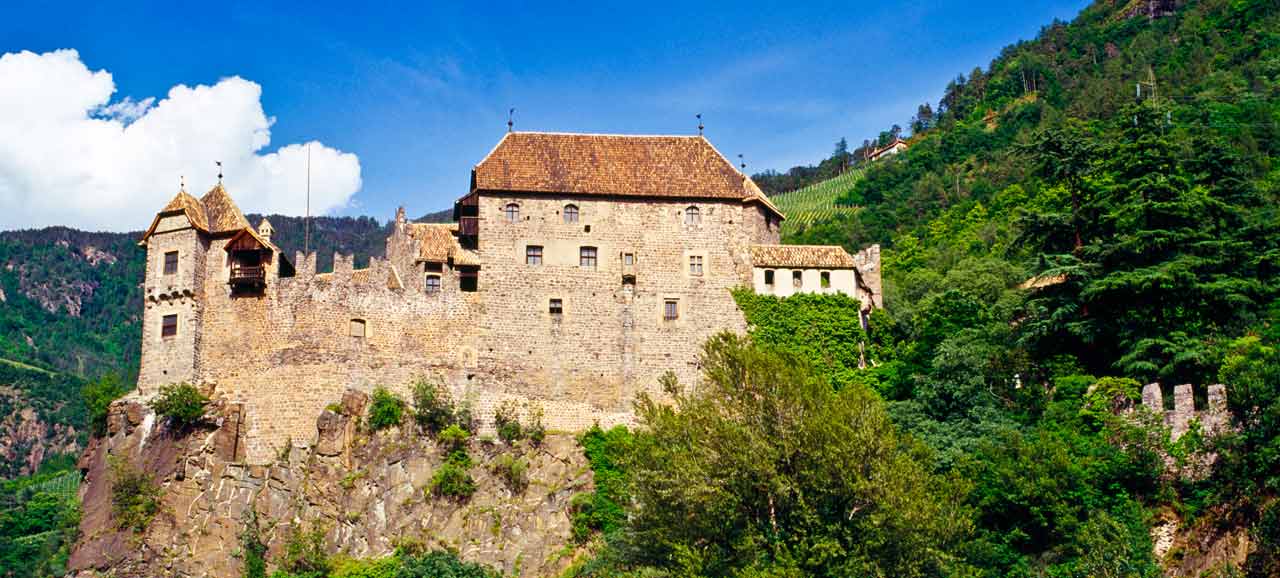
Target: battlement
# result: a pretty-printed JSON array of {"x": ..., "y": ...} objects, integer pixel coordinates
[{"x": 1213, "y": 419}]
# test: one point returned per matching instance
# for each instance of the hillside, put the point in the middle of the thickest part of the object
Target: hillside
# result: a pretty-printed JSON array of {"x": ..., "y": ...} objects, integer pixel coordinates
[{"x": 817, "y": 202}]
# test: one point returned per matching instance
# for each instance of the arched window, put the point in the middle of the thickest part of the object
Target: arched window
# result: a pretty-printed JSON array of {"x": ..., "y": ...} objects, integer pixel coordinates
[
  {"x": 511, "y": 212},
  {"x": 571, "y": 213},
  {"x": 692, "y": 216}
]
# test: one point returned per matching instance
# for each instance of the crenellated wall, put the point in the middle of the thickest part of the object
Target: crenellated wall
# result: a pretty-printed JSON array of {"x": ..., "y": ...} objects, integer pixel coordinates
[{"x": 1213, "y": 419}]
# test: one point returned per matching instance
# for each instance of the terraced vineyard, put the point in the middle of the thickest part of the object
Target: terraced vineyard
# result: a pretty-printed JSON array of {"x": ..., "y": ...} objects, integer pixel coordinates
[{"x": 816, "y": 202}]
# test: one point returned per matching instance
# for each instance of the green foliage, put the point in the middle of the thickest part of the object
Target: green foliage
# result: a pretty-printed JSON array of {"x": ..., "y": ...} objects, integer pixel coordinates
[
  {"x": 1251, "y": 457},
  {"x": 441, "y": 564},
  {"x": 506, "y": 419},
  {"x": 39, "y": 521},
  {"x": 452, "y": 480},
  {"x": 512, "y": 470},
  {"x": 602, "y": 510},
  {"x": 389, "y": 567},
  {"x": 98, "y": 396},
  {"x": 181, "y": 404},
  {"x": 454, "y": 439},
  {"x": 433, "y": 410},
  {"x": 386, "y": 410},
  {"x": 304, "y": 554},
  {"x": 252, "y": 549},
  {"x": 135, "y": 496},
  {"x": 771, "y": 485}
]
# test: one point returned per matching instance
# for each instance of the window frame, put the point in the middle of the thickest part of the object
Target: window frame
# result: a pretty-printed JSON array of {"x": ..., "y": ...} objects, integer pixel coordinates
[
  {"x": 571, "y": 209},
  {"x": 670, "y": 309},
  {"x": 583, "y": 257},
  {"x": 692, "y": 215},
  {"x": 169, "y": 330},
  {"x": 170, "y": 268},
  {"x": 533, "y": 255},
  {"x": 695, "y": 265},
  {"x": 769, "y": 275},
  {"x": 357, "y": 322},
  {"x": 628, "y": 259},
  {"x": 797, "y": 278},
  {"x": 555, "y": 307},
  {"x": 431, "y": 288},
  {"x": 511, "y": 212}
]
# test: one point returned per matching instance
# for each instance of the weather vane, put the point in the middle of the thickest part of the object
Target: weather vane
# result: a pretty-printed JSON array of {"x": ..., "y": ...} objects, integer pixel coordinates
[
  {"x": 741, "y": 162},
  {"x": 219, "y": 163},
  {"x": 182, "y": 183},
  {"x": 699, "y": 115},
  {"x": 511, "y": 123}
]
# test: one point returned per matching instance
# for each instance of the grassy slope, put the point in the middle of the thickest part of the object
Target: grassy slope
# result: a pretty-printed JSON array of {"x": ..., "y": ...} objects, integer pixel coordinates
[{"x": 816, "y": 202}]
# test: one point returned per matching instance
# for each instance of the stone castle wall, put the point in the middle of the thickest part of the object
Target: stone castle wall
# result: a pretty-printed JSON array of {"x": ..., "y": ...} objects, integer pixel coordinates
[
  {"x": 288, "y": 352},
  {"x": 1213, "y": 419}
]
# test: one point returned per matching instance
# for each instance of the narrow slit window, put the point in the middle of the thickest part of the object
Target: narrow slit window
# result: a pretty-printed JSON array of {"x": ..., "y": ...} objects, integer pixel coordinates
[
  {"x": 556, "y": 308},
  {"x": 571, "y": 213},
  {"x": 356, "y": 328},
  {"x": 587, "y": 257},
  {"x": 533, "y": 255},
  {"x": 171, "y": 263},
  {"x": 511, "y": 212},
  {"x": 670, "y": 310},
  {"x": 433, "y": 283},
  {"x": 169, "y": 326},
  {"x": 692, "y": 216},
  {"x": 695, "y": 265}
]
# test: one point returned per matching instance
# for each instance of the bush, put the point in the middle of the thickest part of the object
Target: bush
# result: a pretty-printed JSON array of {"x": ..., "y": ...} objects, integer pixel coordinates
[
  {"x": 385, "y": 410},
  {"x": 252, "y": 548},
  {"x": 135, "y": 497},
  {"x": 454, "y": 439},
  {"x": 304, "y": 553},
  {"x": 536, "y": 431},
  {"x": 441, "y": 564},
  {"x": 507, "y": 421},
  {"x": 433, "y": 410},
  {"x": 601, "y": 510},
  {"x": 180, "y": 403},
  {"x": 452, "y": 479},
  {"x": 98, "y": 396},
  {"x": 513, "y": 471}
]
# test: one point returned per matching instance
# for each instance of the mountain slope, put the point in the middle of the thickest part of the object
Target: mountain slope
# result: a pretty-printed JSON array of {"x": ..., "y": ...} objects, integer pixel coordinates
[{"x": 816, "y": 202}]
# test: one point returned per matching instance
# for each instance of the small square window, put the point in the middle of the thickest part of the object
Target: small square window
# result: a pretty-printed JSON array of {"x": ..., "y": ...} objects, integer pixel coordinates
[
  {"x": 670, "y": 310},
  {"x": 797, "y": 279},
  {"x": 356, "y": 328},
  {"x": 587, "y": 257},
  {"x": 768, "y": 277},
  {"x": 533, "y": 255},
  {"x": 169, "y": 326},
  {"x": 628, "y": 258},
  {"x": 556, "y": 307},
  {"x": 171, "y": 263},
  {"x": 826, "y": 279},
  {"x": 433, "y": 283},
  {"x": 695, "y": 265}
]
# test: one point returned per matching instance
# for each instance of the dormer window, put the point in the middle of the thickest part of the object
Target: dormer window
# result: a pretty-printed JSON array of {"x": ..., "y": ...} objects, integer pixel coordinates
[
  {"x": 571, "y": 213},
  {"x": 511, "y": 212},
  {"x": 692, "y": 216},
  {"x": 433, "y": 283}
]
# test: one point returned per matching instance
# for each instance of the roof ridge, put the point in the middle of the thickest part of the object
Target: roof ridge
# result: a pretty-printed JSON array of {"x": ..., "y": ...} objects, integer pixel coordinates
[{"x": 606, "y": 134}]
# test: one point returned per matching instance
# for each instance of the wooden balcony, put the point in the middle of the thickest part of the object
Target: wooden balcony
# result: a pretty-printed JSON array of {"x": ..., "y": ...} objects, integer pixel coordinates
[
  {"x": 469, "y": 226},
  {"x": 248, "y": 276}
]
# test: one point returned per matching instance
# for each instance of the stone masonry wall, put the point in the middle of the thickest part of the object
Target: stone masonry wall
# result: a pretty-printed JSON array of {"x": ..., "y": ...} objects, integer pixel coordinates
[
  {"x": 176, "y": 358},
  {"x": 1213, "y": 419}
]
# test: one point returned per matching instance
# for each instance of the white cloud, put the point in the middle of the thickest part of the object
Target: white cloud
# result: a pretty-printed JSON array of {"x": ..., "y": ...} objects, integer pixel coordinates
[{"x": 71, "y": 156}]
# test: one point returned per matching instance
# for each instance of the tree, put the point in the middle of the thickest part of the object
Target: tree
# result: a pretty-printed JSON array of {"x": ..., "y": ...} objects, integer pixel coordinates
[{"x": 787, "y": 476}]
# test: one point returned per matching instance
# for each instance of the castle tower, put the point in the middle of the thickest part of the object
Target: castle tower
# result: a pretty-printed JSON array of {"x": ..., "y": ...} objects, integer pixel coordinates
[{"x": 173, "y": 293}]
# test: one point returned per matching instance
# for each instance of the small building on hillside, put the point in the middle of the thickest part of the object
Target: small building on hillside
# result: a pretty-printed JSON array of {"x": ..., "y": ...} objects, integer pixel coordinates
[
  {"x": 785, "y": 270},
  {"x": 898, "y": 145}
]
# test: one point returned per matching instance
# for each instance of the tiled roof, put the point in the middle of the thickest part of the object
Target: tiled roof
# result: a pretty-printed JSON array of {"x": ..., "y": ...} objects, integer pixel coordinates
[
  {"x": 188, "y": 205},
  {"x": 1042, "y": 281},
  {"x": 437, "y": 243},
  {"x": 613, "y": 165},
  {"x": 222, "y": 212},
  {"x": 802, "y": 256}
]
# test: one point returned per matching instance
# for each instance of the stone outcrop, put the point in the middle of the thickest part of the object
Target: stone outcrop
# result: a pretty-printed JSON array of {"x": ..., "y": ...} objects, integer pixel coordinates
[
  {"x": 367, "y": 491},
  {"x": 26, "y": 439}
]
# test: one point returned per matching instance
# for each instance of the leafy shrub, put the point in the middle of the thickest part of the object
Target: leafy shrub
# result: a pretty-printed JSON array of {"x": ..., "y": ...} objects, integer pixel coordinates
[
  {"x": 135, "y": 497},
  {"x": 433, "y": 410},
  {"x": 601, "y": 510},
  {"x": 385, "y": 410},
  {"x": 507, "y": 421},
  {"x": 536, "y": 431},
  {"x": 98, "y": 396},
  {"x": 513, "y": 471},
  {"x": 452, "y": 479},
  {"x": 441, "y": 564},
  {"x": 304, "y": 553},
  {"x": 180, "y": 403},
  {"x": 388, "y": 567},
  {"x": 454, "y": 438},
  {"x": 253, "y": 549}
]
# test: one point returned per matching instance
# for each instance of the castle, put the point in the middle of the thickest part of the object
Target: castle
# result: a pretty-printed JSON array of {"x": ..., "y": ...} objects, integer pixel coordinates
[{"x": 580, "y": 268}]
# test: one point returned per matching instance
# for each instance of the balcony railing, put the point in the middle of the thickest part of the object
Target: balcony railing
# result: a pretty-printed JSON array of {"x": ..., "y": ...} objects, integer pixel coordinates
[{"x": 248, "y": 275}]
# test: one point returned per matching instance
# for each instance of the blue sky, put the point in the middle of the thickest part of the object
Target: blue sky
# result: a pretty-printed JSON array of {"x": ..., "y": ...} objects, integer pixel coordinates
[{"x": 420, "y": 92}]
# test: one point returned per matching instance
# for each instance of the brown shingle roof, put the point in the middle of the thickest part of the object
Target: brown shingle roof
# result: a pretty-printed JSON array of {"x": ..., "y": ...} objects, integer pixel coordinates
[
  {"x": 222, "y": 212},
  {"x": 437, "y": 243},
  {"x": 186, "y": 204},
  {"x": 802, "y": 256},
  {"x": 615, "y": 165}
]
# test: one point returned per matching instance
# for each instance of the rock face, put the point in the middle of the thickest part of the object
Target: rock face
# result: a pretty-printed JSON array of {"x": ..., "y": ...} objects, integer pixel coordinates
[
  {"x": 366, "y": 490},
  {"x": 25, "y": 439}
]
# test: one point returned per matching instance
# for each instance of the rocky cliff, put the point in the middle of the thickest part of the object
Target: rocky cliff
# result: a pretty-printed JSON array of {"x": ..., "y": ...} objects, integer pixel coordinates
[{"x": 366, "y": 492}]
